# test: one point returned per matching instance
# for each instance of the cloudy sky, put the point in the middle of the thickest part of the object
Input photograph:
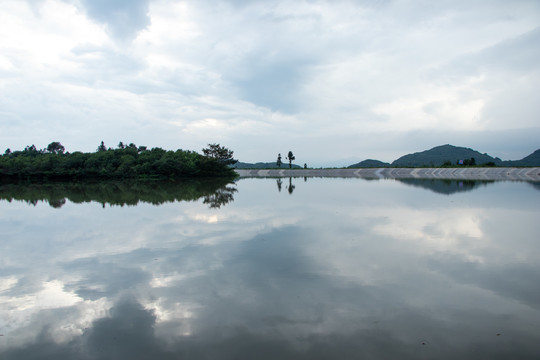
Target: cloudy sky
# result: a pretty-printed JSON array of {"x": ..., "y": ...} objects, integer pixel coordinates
[{"x": 336, "y": 82}]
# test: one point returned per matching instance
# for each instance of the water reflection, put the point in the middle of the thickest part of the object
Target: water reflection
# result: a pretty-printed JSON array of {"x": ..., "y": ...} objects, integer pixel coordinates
[
  {"x": 441, "y": 186},
  {"x": 215, "y": 192},
  {"x": 346, "y": 268},
  {"x": 220, "y": 197},
  {"x": 279, "y": 183},
  {"x": 444, "y": 186},
  {"x": 291, "y": 187}
]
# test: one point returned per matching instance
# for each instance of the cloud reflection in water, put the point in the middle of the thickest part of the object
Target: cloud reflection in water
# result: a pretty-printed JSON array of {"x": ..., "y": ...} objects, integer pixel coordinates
[{"x": 343, "y": 268}]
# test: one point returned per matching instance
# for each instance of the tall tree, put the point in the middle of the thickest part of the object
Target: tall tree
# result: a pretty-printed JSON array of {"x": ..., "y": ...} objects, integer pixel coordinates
[
  {"x": 278, "y": 162},
  {"x": 102, "y": 147},
  {"x": 56, "y": 148},
  {"x": 291, "y": 157},
  {"x": 220, "y": 153}
]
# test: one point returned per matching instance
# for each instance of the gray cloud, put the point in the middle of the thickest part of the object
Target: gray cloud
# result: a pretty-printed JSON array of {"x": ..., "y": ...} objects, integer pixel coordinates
[
  {"x": 124, "y": 18},
  {"x": 264, "y": 77},
  {"x": 511, "y": 281},
  {"x": 274, "y": 86}
]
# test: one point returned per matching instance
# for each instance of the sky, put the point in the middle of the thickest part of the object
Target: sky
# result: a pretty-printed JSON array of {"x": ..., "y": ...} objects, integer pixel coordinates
[{"x": 335, "y": 82}]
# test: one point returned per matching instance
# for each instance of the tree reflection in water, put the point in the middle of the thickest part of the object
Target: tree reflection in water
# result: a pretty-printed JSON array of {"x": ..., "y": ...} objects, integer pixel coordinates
[
  {"x": 214, "y": 192},
  {"x": 291, "y": 187},
  {"x": 221, "y": 196}
]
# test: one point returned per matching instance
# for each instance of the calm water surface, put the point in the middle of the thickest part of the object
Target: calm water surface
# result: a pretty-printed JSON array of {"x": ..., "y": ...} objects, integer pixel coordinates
[{"x": 272, "y": 269}]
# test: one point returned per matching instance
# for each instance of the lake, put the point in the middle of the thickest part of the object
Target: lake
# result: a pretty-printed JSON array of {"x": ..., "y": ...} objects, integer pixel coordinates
[{"x": 271, "y": 268}]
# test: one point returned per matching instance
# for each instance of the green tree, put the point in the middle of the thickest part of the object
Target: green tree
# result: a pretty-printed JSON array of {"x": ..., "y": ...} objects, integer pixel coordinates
[
  {"x": 101, "y": 147},
  {"x": 278, "y": 162},
  {"x": 291, "y": 157},
  {"x": 55, "y": 148},
  {"x": 30, "y": 149},
  {"x": 219, "y": 153}
]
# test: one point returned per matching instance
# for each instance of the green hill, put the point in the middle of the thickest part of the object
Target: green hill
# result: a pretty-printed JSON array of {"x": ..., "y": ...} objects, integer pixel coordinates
[
  {"x": 530, "y": 160},
  {"x": 444, "y": 153},
  {"x": 370, "y": 163}
]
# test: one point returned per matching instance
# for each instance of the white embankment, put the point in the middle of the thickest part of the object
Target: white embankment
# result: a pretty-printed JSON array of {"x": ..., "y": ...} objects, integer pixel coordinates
[{"x": 472, "y": 173}]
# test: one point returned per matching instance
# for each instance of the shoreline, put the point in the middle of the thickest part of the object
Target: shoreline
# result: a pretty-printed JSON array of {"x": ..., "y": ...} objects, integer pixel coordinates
[{"x": 472, "y": 173}]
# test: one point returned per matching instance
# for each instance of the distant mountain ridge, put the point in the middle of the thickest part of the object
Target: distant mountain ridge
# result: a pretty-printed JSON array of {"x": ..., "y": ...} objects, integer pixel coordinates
[
  {"x": 440, "y": 155},
  {"x": 370, "y": 163},
  {"x": 529, "y": 160},
  {"x": 436, "y": 156}
]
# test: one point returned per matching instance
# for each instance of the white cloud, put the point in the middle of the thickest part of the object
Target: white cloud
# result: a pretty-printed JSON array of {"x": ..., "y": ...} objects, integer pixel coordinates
[
  {"x": 450, "y": 108},
  {"x": 269, "y": 75}
]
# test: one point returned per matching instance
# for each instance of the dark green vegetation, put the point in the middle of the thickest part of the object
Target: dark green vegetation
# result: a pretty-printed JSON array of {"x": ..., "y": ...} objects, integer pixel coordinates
[
  {"x": 530, "y": 160},
  {"x": 449, "y": 155},
  {"x": 124, "y": 162},
  {"x": 215, "y": 192},
  {"x": 446, "y": 155}
]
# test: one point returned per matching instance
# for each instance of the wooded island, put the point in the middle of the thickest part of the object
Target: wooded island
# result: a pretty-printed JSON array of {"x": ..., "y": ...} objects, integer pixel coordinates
[{"x": 124, "y": 162}]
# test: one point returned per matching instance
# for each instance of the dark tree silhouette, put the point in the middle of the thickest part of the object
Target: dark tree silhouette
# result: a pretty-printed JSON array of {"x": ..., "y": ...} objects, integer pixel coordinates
[
  {"x": 56, "y": 148},
  {"x": 291, "y": 157},
  {"x": 101, "y": 147},
  {"x": 278, "y": 162},
  {"x": 220, "y": 153}
]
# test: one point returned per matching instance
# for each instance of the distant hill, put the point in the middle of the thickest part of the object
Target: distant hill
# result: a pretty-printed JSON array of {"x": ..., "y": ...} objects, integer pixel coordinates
[
  {"x": 370, "y": 163},
  {"x": 263, "y": 165},
  {"x": 530, "y": 160},
  {"x": 440, "y": 154},
  {"x": 436, "y": 156}
]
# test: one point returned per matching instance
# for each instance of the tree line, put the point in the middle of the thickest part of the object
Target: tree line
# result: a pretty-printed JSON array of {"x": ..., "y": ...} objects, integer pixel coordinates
[{"x": 123, "y": 162}]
